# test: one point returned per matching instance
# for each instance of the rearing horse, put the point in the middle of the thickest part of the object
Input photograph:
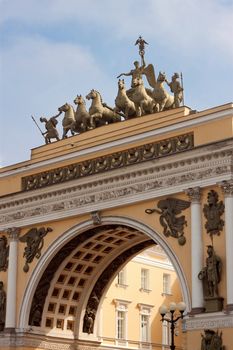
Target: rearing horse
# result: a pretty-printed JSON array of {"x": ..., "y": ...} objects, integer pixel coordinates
[
  {"x": 68, "y": 121},
  {"x": 100, "y": 114}
]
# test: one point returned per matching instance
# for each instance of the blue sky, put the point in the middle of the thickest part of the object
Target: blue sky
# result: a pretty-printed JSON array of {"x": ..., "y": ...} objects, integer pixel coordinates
[{"x": 52, "y": 50}]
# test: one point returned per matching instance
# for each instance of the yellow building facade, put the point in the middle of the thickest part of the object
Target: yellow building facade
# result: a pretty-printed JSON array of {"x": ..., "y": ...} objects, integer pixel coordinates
[
  {"x": 75, "y": 213},
  {"x": 130, "y": 310}
]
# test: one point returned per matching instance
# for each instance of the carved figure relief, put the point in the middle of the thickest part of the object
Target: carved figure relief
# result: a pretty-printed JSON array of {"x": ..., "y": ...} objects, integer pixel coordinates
[
  {"x": 211, "y": 273},
  {"x": 34, "y": 240},
  {"x": 213, "y": 212},
  {"x": 4, "y": 252},
  {"x": 172, "y": 224},
  {"x": 2, "y": 306},
  {"x": 211, "y": 340}
]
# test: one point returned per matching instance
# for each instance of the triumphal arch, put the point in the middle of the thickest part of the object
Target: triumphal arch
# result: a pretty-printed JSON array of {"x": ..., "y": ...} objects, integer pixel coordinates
[{"x": 147, "y": 171}]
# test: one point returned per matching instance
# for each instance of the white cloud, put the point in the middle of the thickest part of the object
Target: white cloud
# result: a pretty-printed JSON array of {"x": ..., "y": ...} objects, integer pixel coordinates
[{"x": 185, "y": 24}]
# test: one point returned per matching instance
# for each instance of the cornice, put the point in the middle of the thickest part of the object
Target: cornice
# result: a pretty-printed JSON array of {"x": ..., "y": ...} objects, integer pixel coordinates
[{"x": 199, "y": 167}]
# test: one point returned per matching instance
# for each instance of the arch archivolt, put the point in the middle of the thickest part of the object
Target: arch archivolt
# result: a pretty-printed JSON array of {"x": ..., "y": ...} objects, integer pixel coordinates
[{"x": 80, "y": 263}]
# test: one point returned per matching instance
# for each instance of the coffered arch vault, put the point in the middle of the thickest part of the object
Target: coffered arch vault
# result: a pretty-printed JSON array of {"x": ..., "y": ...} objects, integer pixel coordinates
[{"x": 80, "y": 265}]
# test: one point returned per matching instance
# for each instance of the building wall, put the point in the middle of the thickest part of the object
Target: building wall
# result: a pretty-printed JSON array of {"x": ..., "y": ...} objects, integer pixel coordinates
[{"x": 140, "y": 300}]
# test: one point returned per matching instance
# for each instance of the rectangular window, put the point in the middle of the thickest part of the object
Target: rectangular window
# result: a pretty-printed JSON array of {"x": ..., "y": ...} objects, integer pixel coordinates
[
  {"x": 144, "y": 279},
  {"x": 121, "y": 277},
  {"x": 144, "y": 328},
  {"x": 120, "y": 325},
  {"x": 166, "y": 283}
]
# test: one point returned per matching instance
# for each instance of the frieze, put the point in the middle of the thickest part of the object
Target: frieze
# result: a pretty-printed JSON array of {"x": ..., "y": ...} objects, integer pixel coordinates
[
  {"x": 214, "y": 321},
  {"x": 185, "y": 171},
  {"x": 113, "y": 161}
]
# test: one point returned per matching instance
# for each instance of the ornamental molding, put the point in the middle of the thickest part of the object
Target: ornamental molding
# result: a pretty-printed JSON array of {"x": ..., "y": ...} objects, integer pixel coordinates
[
  {"x": 213, "y": 321},
  {"x": 200, "y": 167},
  {"x": 26, "y": 340},
  {"x": 109, "y": 162}
]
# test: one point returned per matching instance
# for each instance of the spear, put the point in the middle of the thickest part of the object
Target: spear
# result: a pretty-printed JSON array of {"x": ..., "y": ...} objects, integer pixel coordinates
[
  {"x": 182, "y": 85},
  {"x": 38, "y": 126}
]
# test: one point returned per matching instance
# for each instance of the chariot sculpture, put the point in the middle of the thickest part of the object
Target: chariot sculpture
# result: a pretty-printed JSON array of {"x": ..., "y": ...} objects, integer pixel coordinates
[{"x": 136, "y": 101}]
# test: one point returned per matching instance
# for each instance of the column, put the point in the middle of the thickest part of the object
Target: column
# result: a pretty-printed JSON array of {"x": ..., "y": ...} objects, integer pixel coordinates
[
  {"x": 196, "y": 249},
  {"x": 227, "y": 187},
  {"x": 10, "y": 323}
]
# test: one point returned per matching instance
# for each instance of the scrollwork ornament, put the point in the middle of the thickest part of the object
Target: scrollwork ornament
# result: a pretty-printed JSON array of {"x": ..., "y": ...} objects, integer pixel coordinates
[
  {"x": 96, "y": 217},
  {"x": 227, "y": 188},
  {"x": 213, "y": 212},
  {"x": 194, "y": 194}
]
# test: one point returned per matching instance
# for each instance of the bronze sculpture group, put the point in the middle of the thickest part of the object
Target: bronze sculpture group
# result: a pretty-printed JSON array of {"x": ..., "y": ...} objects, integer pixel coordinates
[{"x": 134, "y": 102}]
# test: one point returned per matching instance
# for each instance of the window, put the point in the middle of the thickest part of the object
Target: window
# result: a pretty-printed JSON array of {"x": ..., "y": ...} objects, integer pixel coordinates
[
  {"x": 144, "y": 314},
  {"x": 145, "y": 279},
  {"x": 121, "y": 321},
  {"x": 144, "y": 328},
  {"x": 165, "y": 335},
  {"x": 121, "y": 325},
  {"x": 121, "y": 278},
  {"x": 166, "y": 283}
]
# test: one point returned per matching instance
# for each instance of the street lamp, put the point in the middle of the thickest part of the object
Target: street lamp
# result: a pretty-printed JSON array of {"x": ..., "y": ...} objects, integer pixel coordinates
[{"x": 163, "y": 310}]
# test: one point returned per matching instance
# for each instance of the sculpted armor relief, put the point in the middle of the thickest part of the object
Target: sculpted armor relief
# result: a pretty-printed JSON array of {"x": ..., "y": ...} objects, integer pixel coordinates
[{"x": 136, "y": 101}]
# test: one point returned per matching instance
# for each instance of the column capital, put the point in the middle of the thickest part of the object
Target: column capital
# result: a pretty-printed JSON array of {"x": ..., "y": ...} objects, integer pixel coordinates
[
  {"x": 194, "y": 194},
  {"x": 227, "y": 188},
  {"x": 13, "y": 233}
]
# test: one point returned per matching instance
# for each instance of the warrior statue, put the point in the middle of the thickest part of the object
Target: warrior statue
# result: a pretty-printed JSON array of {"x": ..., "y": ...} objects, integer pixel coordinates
[
  {"x": 177, "y": 90},
  {"x": 51, "y": 131},
  {"x": 2, "y": 306},
  {"x": 211, "y": 273}
]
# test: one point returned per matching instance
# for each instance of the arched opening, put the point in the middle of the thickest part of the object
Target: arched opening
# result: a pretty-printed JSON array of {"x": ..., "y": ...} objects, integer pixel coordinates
[{"x": 76, "y": 271}]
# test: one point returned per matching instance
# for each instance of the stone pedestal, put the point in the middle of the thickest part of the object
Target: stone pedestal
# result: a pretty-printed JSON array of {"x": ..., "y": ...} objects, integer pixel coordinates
[{"x": 213, "y": 304}]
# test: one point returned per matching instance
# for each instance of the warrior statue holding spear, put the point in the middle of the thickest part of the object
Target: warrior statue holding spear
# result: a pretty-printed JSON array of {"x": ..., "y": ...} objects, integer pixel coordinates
[{"x": 50, "y": 126}]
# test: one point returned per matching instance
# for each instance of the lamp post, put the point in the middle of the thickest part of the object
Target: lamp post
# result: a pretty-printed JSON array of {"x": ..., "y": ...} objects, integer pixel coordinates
[{"x": 163, "y": 310}]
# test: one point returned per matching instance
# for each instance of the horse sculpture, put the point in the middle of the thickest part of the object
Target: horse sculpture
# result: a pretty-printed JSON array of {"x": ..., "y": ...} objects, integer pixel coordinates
[
  {"x": 143, "y": 102},
  {"x": 123, "y": 102},
  {"x": 160, "y": 95},
  {"x": 68, "y": 121},
  {"x": 99, "y": 113},
  {"x": 82, "y": 117}
]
